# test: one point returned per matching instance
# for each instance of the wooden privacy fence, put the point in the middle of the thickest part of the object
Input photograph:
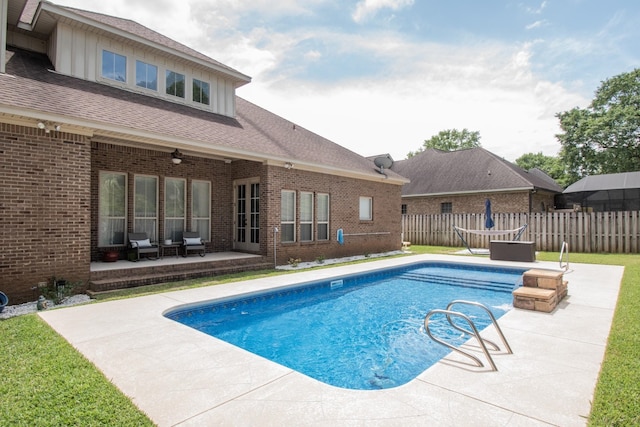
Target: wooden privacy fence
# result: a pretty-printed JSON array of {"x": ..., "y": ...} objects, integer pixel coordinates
[{"x": 608, "y": 232}]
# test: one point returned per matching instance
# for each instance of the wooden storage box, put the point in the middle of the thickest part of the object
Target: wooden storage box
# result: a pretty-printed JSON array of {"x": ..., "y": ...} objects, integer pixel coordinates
[{"x": 512, "y": 250}]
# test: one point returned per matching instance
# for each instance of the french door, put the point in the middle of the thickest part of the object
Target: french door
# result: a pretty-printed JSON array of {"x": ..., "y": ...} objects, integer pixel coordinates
[{"x": 247, "y": 215}]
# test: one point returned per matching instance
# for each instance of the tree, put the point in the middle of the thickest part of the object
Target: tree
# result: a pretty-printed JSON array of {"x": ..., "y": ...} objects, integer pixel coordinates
[
  {"x": 450, "y": 140},
  {"x": 550, "y": 165},
  {"x": 605, "y": 136}
]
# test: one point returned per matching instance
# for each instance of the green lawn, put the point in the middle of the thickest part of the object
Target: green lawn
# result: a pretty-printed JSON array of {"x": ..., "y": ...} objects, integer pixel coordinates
[{"x": 46, "y": 382}]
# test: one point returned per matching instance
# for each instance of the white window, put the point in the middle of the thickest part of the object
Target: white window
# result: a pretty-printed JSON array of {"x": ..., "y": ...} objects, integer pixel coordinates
[
  {"x": 201, "y": 208},
  {"x": 366, "y": 208},
  {"x": 322, "y": 216},
  {"x": 174, "y": 84},
  {"x": 146, "y": 75},
  {"x": 114, "y": 66},
  {"x": 288, "y": 216},
  {"x": 200, "y": 92},
  {"x": 306, "y": 216},
  {"x": 112, "y": 207},
  {"x": 174, "y": 208},
  {"x": 145, "y": 206}
]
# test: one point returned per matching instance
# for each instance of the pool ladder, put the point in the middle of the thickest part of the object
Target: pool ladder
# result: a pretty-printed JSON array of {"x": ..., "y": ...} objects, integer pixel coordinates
[{"x": 473, "y": 332}]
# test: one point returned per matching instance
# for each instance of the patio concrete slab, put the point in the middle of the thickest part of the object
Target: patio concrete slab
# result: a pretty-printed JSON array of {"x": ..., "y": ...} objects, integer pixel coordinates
[{"x": 179, "y": 376}]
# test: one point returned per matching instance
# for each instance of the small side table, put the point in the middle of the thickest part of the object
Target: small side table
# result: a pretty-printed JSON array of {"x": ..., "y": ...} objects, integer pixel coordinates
[{"x": 175, "y": 246}]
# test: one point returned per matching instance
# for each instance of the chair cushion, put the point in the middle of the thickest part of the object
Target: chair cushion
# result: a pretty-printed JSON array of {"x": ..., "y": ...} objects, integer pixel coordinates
[
  {"x": 192, "y": 241},
  {"x": 141, "y": 243}
]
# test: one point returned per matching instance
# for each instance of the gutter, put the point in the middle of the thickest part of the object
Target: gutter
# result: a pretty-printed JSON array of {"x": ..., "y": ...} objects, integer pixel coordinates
[{"x": 454, "y": 193}]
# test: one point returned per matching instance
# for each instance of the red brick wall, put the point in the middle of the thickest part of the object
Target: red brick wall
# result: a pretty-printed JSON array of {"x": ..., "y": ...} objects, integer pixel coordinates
[
  {"x": 474, "y": 203},
  {"x": 380, "y": 235},
  {"x": 44, "y": 209},
  {"x": 118, "y": 158},
  {"x": 344, "y": 201}
]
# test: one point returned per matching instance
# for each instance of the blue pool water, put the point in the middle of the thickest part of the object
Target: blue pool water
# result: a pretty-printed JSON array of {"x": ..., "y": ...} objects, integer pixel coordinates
[{"x": 359, "y": 332}]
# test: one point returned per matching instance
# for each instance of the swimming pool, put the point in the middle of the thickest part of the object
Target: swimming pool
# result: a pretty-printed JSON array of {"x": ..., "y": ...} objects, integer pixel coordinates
[{"x": 360, "y": 332}]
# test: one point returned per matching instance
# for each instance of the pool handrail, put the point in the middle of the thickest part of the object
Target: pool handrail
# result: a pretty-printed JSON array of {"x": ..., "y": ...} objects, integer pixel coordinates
[
  {"x": 564, "y": 249},
  {"x": 475, "y": 333},
  {"x": 493, "y": 320}
]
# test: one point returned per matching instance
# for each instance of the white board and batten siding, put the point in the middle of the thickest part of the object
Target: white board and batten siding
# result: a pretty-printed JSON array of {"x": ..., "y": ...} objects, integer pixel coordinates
[{"x": 77, "y": 52}]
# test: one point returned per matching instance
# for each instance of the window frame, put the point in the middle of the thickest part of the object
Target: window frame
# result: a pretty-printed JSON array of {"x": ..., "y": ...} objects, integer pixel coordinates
[
  {"x": 322, "y": 219},
  {"x": 306, "y": 216},
  {"x": 200, "y": 83},
  {"x": 102, "y": 217},
  {"x": 147, "y": 66},
  {"x": 206, "y": 236},
  {"x": 152, "y": 232},
  {"x": 172, "y": 234},
  {"x": 288, "y": 221},
  {"x": 168, "y": 84},
  {"x": 365, "y": 210},
  {"x": 115, "y": 56}
]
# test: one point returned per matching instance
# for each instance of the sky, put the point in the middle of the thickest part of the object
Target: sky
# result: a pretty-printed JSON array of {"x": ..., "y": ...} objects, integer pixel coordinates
[{"x": 382, "y": 76}]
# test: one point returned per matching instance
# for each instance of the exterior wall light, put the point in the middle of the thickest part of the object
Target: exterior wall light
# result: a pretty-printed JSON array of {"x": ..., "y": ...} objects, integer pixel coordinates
[{"x": 176, "y": 157}]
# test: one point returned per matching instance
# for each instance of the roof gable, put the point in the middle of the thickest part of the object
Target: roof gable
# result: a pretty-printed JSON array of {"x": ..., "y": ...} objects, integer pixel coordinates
[{"x": 470, "y": 170}]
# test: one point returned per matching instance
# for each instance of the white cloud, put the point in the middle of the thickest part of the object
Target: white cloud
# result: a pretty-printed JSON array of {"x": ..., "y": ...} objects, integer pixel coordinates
[
  {"x": 538, "y": 24},
  {"x": 368, "y": 8},
  {"x": 539, "y": 10},
  {"x": 485, "y": 88},
  {"x": 425, "y": 87}
]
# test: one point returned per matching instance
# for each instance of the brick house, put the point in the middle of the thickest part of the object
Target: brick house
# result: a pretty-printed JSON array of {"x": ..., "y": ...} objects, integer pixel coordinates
[
  {"x": 107, "y": 127},
  {"x": 460, "y": 182}
]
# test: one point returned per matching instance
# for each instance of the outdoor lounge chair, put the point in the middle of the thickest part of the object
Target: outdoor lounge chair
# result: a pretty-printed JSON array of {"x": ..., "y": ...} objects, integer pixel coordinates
[
  {"x": 139, "y": 242},
  {"x": 192, "y": 242}
]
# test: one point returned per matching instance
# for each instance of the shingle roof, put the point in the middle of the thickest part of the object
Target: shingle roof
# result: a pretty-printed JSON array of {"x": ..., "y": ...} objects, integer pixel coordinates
[
  {"x": 29, "y": 87},
  {"x": 613, "y": 181},
  {"x": 471, "y": 170}
]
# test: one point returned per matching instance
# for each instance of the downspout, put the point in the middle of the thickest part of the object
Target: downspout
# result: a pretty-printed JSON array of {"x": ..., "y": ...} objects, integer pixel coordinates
[{"x": 4, "y": 4}]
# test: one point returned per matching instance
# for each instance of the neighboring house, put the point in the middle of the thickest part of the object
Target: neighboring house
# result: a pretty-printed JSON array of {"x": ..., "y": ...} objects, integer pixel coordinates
[
  {"x": 460, "y": 182},
  {"x": 107, "y": 127},
  {"x": 602, "y": 193}
]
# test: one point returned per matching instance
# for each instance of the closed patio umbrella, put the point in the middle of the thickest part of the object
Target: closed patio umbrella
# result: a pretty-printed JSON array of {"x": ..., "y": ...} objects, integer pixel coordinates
[{"x": 487, "y": 211}]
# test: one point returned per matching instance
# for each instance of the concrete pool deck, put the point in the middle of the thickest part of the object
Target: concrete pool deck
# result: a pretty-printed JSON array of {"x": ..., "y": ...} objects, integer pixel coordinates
[{"x": 179, "y": 376}]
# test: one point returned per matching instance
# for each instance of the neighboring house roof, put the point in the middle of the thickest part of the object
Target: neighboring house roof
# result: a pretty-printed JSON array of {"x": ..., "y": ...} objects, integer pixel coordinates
[
  {"x": 614, "y": 181},
  {"x": 30, "y": 89},
  {"x": 434, "y": 172}
]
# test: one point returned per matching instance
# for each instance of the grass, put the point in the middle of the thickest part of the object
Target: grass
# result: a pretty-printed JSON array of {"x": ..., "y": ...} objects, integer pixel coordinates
[{"x": 46, "y": 382}]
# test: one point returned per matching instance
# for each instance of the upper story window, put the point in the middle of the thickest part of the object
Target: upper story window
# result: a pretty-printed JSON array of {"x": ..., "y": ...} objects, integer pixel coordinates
[
  {"x": 200, "y": 92},
  {"x": 446, "y": 207},
  {"x": 146, "y": 75},
  {"x": 403, "y": 209},
  {"x": 114, "y": 66},
  {"x": 175, "y": 84}
]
